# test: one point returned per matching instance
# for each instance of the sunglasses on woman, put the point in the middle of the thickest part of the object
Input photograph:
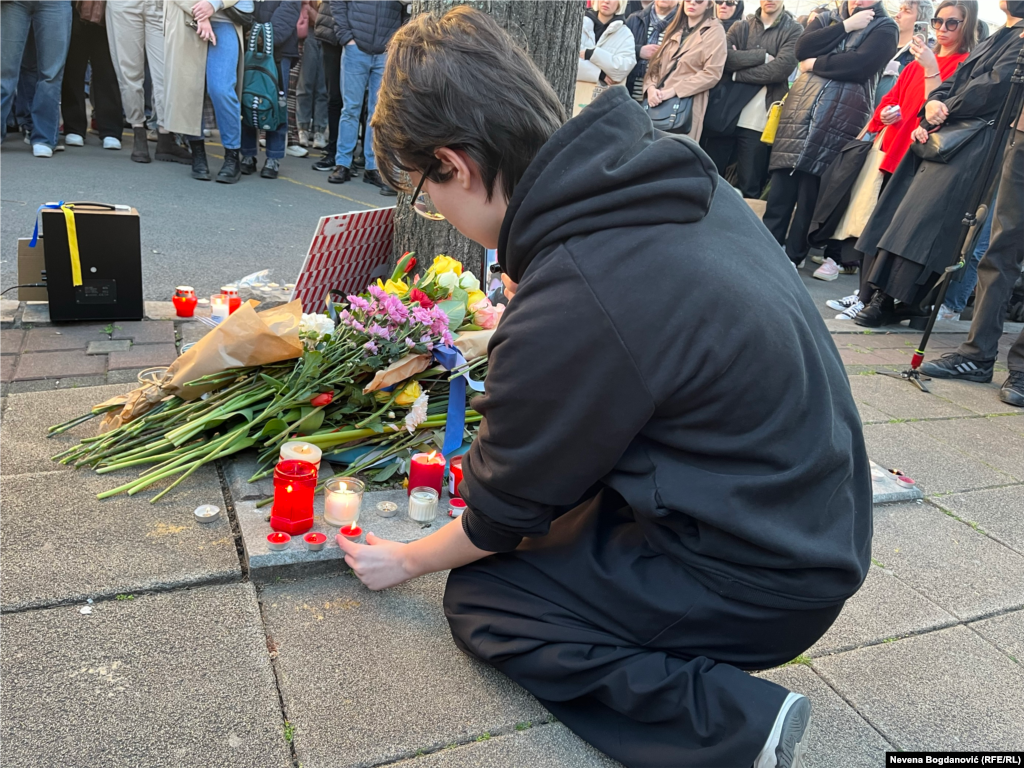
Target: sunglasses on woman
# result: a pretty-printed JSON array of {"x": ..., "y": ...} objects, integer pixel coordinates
[
  {"x": 950, "y": 24},
  {"x": 421, "y": 202},
  {"x": 730, "y": 3}
]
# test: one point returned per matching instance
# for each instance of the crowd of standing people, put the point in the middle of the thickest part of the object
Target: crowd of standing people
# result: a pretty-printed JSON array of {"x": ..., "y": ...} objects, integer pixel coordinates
[
  {"x": 169, "y": 70},
  {"x": 863, "y": 135}
]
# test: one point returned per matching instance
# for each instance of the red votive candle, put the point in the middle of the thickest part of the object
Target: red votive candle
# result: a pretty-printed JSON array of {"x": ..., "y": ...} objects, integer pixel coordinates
[
  {"x": 294, "y": 486},
  {"x": 315, "y": 541},
  {"x": 278, "y": 541},
  {"x": 427, "y": 469},
  {"x": 184, "y": 301},
  {"x": 455, "y": 476},
  {"x": 351, "y": 531},
  {"x": 234, "y": 301}
]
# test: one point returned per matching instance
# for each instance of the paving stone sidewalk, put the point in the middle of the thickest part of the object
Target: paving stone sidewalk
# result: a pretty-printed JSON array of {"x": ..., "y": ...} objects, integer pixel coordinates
[{"x": 182, "y": 660}]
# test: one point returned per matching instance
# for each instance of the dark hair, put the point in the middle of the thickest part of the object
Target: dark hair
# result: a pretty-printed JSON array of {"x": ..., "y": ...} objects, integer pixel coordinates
[
  {"x": 969, "y": 28},
  {"x": 460, "y": 81},
  {"x": 681, "y": 21},
  {"x": 982, "y": 31},
  {"x": 1015, "y": 8}
]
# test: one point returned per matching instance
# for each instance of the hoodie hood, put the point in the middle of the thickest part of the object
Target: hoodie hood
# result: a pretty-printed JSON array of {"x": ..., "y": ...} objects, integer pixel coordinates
[{"x": 604, "y": 169}]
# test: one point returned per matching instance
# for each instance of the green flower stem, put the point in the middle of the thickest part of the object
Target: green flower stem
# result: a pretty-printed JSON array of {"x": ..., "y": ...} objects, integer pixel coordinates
[{"x": 223, "y": 450}]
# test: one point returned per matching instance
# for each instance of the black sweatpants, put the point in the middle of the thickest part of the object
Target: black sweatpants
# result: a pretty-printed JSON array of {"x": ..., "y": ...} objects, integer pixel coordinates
[
  {"x": 332, "y": 76},
  {"x": 624, "y": 646},
  {"x": 89, "y": 44},
  {"x": 750, "y": 154},
  {"x": 791, "y": 189}
]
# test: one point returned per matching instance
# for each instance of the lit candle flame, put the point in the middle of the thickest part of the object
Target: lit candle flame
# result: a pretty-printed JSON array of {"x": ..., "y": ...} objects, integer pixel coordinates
[
  {"x": 288, "y": 489},
  {"x": 343, "y": 487},
  {"x": 430, "y": 458}
]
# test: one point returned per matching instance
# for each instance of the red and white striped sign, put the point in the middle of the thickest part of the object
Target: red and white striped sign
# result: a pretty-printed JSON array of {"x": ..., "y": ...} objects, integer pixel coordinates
[{"x": 347, "y": 254}]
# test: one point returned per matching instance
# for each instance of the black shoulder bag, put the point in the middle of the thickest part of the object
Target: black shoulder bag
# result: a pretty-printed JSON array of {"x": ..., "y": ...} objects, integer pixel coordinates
[{"x": 674, "y": 115}]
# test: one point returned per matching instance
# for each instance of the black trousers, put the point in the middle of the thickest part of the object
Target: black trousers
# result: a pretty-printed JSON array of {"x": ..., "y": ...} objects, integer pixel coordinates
[
  {"x": 624, "y": 646},
  {"x": 748, "y": 152},
  {"x": 332, "y": 76},
  {"x": 791, "y": 189},
  {"x": 89, "y": 45},
  {"x": 1000, "y": 266}
]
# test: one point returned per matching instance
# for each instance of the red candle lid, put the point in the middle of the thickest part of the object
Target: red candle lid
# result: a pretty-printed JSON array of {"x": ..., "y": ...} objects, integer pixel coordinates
[
  {"x": 457, "y": 503},
  {"x": 315, "y": 538},
  {"x": 278, "y": 538},
  {"x": 296, "y": 469}
]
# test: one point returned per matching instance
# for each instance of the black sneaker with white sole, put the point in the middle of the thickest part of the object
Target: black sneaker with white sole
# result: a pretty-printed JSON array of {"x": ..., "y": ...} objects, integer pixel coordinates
[
  {"x": 953, "y": 365},
  {"x": 785, "y": 747},
  {"x": 1012, "y": 391},
  {"x": 844, "y": 303}
]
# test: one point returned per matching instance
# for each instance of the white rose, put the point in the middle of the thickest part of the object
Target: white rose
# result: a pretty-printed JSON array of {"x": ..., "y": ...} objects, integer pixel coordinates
[
  {"x": 468, "y": 282},
  {"x": 448, "y": 280}
]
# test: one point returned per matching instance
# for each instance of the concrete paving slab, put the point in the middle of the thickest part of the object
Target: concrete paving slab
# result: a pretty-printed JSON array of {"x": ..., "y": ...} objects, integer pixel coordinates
[
  {"x": 24, "y": 446},
  {"x": 143, "y": 356},
  {"x": 144, "y": 331},
  {"x": 108, "y": 346},
  {"x": 61, "y": 543},
  {"x": 192, "y": 332},
  {"x": 296, "y": 560},
  {"x": 984, "y": 440},
  {"x": 886, "y": 490},
  {"x": 954, "y": 566},
  {"x": 1013, "y": 421},
  {"x": 871, "y": 415},
  {"x": 975, "y": 397},
  {"x": 54, "y": 365},
  {"x": 998, "y": 512},
  {"x": 124, "y": 376},
  {"x": 1005, "y": 632},
  {"x": 49, "y": 385},
  {"x": 884, "y": 607},
  {"x": 8, "y": 310},
  {"x": 935, "y": 466},
  {"x": 371, "y": 677},
  {"x": 10, "y": 341},
  {"x": 162, "y": 681},
  {"x": 36, "y": 313},
  {"x": 237, "y": 471},
  {"x": 901, "y": 400},
  {"x": 837, "y": 735},
  {"x": 8, "y": 363},
  {"x": 946, "y": 690},
  {"x": 551, "y": 745},
  {"x": 64, "y": 337}
]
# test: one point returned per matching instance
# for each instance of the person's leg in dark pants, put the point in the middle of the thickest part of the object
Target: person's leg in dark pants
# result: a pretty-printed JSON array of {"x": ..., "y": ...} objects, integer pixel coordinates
[
  {"x": 72, "y": 90},
  {"x": 332, "y": 76},
  {"x": 797, "y": 246},
  {"x": 720, "y": 150},
  {"x": 626, "y": 648},
  {"x": 751, "y": 162},
  {"x": 105, "y": 93},
  {"x": 782, "y": 198}
]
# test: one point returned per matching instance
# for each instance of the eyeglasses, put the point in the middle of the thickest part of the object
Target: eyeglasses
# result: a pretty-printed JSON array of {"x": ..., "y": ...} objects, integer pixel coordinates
[
  {"x": 421, "y": 202},
  {"x": 729, "y": 3},
  {"x": 951, "y": 24}
]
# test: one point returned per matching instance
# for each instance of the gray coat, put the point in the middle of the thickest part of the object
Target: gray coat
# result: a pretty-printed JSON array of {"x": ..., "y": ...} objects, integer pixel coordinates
[{"x": 821, "y": 115}]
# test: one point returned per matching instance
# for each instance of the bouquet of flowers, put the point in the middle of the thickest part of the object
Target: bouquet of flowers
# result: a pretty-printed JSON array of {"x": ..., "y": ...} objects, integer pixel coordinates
[{"x": 364, "y": 387}]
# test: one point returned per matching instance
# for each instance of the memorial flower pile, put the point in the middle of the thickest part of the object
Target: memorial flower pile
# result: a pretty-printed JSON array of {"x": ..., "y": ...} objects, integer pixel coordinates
[{"x": 365, "y": 389}]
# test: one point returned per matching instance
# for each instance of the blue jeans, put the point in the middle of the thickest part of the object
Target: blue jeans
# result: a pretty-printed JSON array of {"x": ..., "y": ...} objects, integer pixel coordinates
[
  {"x": 277, "y": 139},
  {"x": 221, "y": 82},
  {"x": 359, "y": 71},
  {"x": 50, "y": 22},
  {"x": 959, "y": 292}
]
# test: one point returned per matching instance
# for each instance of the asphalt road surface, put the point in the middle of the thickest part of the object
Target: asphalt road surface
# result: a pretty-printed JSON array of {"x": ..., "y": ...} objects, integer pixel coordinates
[{"x": 202, "y": 234}]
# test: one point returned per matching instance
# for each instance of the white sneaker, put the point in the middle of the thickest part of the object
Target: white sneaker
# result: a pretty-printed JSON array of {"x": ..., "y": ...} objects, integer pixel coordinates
[
  {"x": 817, "y": 259},
  {"x": 319, "y": 140},
  {"x": 829, "y": 270},
  {"x": 843, "y": 303},
  {"x": 304, "y": 138},
  {"x": 111, "y": 143},
  {"x": 851, "y": 311},
  {"x": 785, "y": 747},
  {"x": 263, "y": 142},
  {"x": 296, "y": 151},
  {"x": 945, "y": 313},
  {"x": 41, "y": 150},
  {"x": 74, "y": 140}
]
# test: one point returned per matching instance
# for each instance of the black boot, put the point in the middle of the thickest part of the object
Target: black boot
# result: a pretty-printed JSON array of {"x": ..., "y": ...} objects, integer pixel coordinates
[
  {"x": 200, "y": 167},
  {"x": 878, "y": 313},
  {"x": 140, "y": 146},
  {"x": 231, "y": 171},
  {"x": 248, "y": 166},
  {"x": 169, "y": 151}
]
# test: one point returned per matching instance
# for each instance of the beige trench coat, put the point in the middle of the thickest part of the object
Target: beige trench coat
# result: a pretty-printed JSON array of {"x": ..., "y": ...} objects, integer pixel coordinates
[
  {"x": 701, "y": 64},
  {"x": 185, "y": 68}
]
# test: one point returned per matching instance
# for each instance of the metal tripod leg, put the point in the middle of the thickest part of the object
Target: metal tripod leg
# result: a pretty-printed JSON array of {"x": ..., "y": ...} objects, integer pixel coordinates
[{"x": 912, "y": 375}]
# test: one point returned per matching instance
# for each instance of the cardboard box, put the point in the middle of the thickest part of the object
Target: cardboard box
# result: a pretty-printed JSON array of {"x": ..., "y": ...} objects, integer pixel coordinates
[{"x": 31, "y": 265}]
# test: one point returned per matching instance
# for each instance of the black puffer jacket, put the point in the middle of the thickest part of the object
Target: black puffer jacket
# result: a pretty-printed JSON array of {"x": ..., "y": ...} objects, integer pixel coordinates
[
  {"x": 283, "y": 15},
  {"x": 828, "y": 106},
  {"x": 323, "y": 30},
  {"x": 371, "y": 24}
]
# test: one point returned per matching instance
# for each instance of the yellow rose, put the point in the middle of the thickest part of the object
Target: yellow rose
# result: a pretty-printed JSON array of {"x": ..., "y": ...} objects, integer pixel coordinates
[
  {"x": 394, "y": 287},
  {"x": 475, "y": 297},
  {"x": 444, "y": 264},
  {"x": 408, "y": 395}
]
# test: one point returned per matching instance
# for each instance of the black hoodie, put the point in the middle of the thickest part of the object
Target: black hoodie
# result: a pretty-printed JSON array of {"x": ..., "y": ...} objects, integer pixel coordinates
[{"x": 661, "y": 344}]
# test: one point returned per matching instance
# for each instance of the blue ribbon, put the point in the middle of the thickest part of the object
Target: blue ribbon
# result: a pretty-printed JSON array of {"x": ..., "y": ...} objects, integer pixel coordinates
[
  {"x": 35, "y": 232},
  {"x": 450, "y": 358}
]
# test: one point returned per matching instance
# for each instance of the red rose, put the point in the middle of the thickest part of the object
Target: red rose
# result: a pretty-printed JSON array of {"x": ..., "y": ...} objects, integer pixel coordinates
[{"x": 420, "y": 298}]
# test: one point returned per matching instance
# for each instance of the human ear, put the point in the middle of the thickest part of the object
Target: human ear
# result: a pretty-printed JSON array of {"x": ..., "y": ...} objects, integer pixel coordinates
[{"x": 459, "y": 163}]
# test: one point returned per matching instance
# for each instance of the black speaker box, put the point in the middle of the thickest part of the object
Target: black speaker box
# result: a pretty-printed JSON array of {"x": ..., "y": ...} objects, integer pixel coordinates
[{"x": 110, "y": 251}]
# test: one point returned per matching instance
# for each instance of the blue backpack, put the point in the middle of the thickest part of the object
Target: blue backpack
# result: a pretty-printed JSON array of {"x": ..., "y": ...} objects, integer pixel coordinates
[{"x": 264, "y": 106}]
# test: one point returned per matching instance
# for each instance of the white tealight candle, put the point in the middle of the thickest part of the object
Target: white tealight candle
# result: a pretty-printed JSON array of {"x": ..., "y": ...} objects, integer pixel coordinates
[
  {"x": 423, "y": 504},
  {"x": 297, "y": 449},
  {"x": 219, "y": 309},
  {"x": 341, "y": 505}
]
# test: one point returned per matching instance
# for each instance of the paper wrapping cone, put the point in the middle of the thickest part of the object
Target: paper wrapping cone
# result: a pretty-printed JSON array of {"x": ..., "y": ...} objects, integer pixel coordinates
[
  {"x": 473, "y": 344},
  {"x": 400, "y": 370},
  {"x": 245, "y": 338}
]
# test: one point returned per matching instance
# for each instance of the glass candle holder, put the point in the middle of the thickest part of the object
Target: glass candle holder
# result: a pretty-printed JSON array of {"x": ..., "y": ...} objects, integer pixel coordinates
[
  {"x": 294, "y": 486},
  {"x": 423, "y": 504},
  {"x": 342, "y": 499},
  {"x": 184, "y": 301},
  {"x": 219, "y": 310},
  {"x": 234, "y": 301}
]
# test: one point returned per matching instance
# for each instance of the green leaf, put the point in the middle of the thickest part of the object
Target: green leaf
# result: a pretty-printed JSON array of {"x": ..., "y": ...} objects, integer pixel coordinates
[
  {"x": 460, "y": 294},
  {"x": 275, "y": 383},
  {"x": 312, "y": 424},
  {"x": 273, "y": 427},
  {"x": 456, "y": 311},
  {"x": 247, "y": 413},
  {"x": 376, "y": 426},
  {"x": 386, "y": 473}
]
